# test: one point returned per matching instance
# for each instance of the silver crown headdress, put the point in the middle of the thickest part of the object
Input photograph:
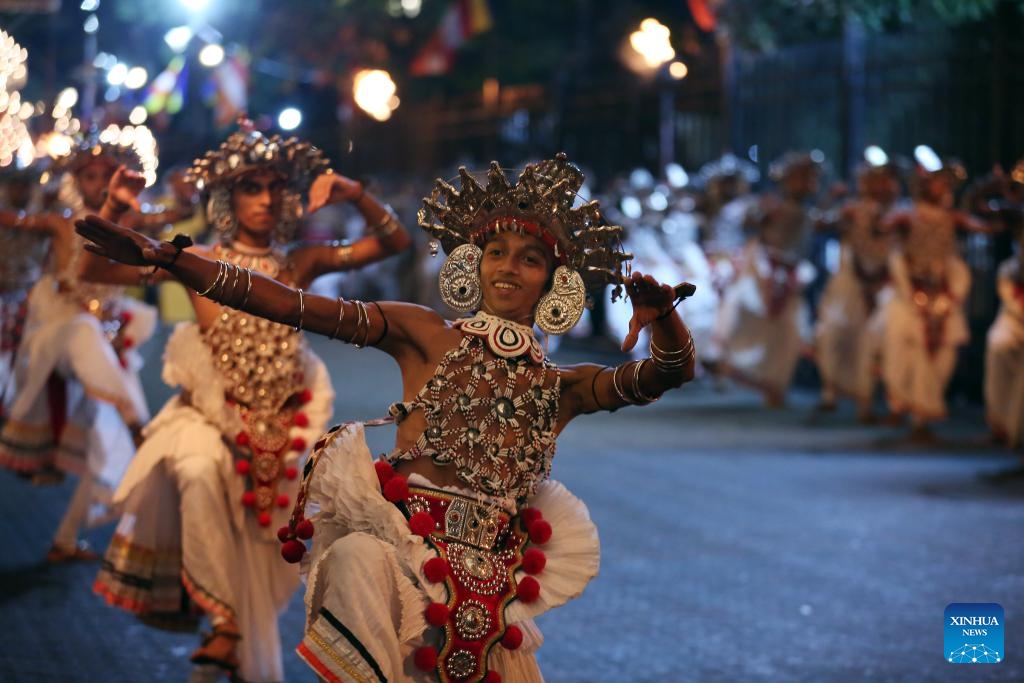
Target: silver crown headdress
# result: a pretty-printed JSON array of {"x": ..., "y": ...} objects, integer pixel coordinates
[
  {"x": 542, "y": 202},
  {"x": 248, "y": 150}
]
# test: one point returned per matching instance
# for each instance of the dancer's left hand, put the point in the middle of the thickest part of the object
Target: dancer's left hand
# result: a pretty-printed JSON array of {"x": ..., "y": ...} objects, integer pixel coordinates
[
  {"x": 650, "y": 300},
  {"x": 332, "y": 188}
]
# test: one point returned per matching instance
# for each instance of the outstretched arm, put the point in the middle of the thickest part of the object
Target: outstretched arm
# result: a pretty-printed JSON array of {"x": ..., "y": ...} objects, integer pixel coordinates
[
  {"x": 241, "y": 288},
  {"x": 670, "y": 365}
]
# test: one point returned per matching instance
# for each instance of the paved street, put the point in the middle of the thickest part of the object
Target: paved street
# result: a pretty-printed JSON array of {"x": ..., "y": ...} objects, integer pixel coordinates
[{"x": 738, "y": 545}]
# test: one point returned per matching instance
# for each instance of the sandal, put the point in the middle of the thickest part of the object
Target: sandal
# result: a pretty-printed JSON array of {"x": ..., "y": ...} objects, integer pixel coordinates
[
  {"x": 79, "y": 553},
  {"x": 219, "y": 649}
]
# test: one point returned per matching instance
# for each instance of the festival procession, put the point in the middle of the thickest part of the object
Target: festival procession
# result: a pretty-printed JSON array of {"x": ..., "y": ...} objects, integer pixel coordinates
[{"x": 298, "y": 302}]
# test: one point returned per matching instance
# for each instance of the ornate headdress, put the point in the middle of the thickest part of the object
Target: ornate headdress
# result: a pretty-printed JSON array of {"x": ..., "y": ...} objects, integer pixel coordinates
[
  {"x": 542, "y": 203},
  {"x": 248, "y": 150},
  {"x": 106, "y": 146}
]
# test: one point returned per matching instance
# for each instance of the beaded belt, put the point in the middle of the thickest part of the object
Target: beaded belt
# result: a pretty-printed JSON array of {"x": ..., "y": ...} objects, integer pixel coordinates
[{"x": 483, "y": 546}]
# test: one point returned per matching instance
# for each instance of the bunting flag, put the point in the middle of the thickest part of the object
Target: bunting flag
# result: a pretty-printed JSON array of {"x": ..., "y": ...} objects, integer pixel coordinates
[
  {"x": 703, "y": 14},
  {"x": 167, "y": 91},
  {"x": 230, "y": 89},
  {"x": 462, "y": 20}
]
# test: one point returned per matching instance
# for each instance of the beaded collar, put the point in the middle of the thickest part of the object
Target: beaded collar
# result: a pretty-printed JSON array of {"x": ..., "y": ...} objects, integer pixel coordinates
[
  {"x": 504, "y": 338},
  {"x": 266, "y": 260}
]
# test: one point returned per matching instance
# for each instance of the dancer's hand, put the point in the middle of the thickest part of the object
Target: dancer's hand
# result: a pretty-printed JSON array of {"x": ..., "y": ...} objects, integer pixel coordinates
[
  {"x": 332, "y": 188},
  {"x": 124, "y": 188},
  {"x": 112, "y": 241},
  {"x": 651, "y": 299}
]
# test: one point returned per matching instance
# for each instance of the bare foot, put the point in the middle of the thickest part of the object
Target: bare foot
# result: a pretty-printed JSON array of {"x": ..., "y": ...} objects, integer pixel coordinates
[
  {"x": 79, "y": 553},
  {"x": 219, "y": 648}
]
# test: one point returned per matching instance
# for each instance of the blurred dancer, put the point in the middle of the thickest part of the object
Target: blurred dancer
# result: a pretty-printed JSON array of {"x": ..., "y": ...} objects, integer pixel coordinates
[
  {"x": 216, "y": 472},
  {"x": 1004, "y": 355}
]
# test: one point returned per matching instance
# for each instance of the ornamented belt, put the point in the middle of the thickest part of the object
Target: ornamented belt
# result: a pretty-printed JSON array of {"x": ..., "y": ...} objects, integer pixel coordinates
[{"x": 483, "y": 546}]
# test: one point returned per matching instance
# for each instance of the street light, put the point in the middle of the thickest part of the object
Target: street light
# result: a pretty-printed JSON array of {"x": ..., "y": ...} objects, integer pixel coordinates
[
  {"x": 374, "y": 93},
  {"x": 652, "y": 41}
]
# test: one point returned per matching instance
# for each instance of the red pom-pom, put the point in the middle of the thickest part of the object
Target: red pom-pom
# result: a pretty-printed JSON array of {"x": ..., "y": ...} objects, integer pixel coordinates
[
  {"x": 126, "y": 317},
  {"x": 305, "y": 396},
  {"x": 436, "y": 569},
  {"x": 534, "y": 561},
  {"x": 492, "y": 677},
  {"x": 384, "y": 471},
  {"x": 513, "y": 637},
  {"x": 304, "y": 529},
  {"x": 242, "y": 467},
  {"x": 298, "y": 444},
  {"x": 528, "y": 589},
  {"x": 283, "y": 500},
  {"x": 540, "y": 531},
  {"x": 529, "y": 516},
  {"x": 291, "y": 472},
  {"x": 293, "y": 550},
  {"x": 300, "y": 420},
  {"x": 127, "y": 343},
  {"x": 284, "y": 533},
  {"x": 248, "y": 499},
  {"x": 123, "y": 362},
  {"x": 436, "y": 613},
  {"x": 421, "y": 524},
  {"x": 425, "y": 658},
  {"x": 264, "y": 519},
  {"x": 396, "y": 488},
  {"x": 242, "y": 438}
]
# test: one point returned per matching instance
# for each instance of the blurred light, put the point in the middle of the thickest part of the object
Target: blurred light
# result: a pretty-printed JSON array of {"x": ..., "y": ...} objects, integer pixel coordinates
[
  {"x": 135, "y": 78},
  {"x": 752, "y": 153},
  {"x": 412, "y": 7},
  {"x": 54, "y": 145},
  {"x": 178, "y": 38},
  {"x": 138, "y": 115},
  {"x": 817, "y": 156},
  {"x": 25, "y": 111},
  {"x": 631, "y": 207},
  {"x": 641, "y": 178},
  {"x": 89, "y": 5},
  {"x": 91, "y": 25},
  {"x": 289, "y": 119},
  {"x": 117, "y": 74},
  {"x": 678, "y": 70},
  {"x": 876, "y": 156},
  {"x": 374, "y": 93},
  {"x": 651, "y": 41},
  {"x": 113, "y": 94},
  {"x": 195, "y": 5},
  {"x": 104, "y": 60},
  {"x": 67, "y": 98},
  {"x": 927, "y": 157},
  {"x": 657, "y": 201},
  {"x": 676, "y": 175},
  {"x": 211, "y": 55}
]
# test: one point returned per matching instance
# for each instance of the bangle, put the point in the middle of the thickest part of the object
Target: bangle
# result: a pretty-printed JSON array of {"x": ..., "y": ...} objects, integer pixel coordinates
[
  {"x": 386, "y": 226},
  {"x": 341, "y": 318},
  {"x": 216, "y": 279},
  {"x": 302, "y": 310},
  {"x": 640, "y": 395},
  {"x": 248, "y": 288}
]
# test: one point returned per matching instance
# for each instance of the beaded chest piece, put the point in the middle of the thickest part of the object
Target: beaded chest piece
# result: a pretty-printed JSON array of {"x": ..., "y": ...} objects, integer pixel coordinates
[
  {"x": 490, "y": 409},
  {"x": 262, "y": 366}
]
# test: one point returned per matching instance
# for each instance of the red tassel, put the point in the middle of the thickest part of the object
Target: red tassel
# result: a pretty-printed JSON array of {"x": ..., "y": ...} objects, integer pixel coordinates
[
  {"x": 540, "y": 531},
  {"x": 436, "y": 613},
  {"x": 283, "y": 500},
  {"x": 436, "y": 569},
  {"x": 305, "y": 396},
  {"x": 248, "y": 499},
  {"x": 242, "y": 439},
  {"x": 127, "y": 343},
  {"x": 292, "y": 551},
  {"x": 284, "y": 533},
  {"x": 300, "y": 420},
  {"x": 529, "y": 515},
  {"x": 264, "y": 519},
  {"x": 528, "y": 589},
  {"x": 384, "y": 471},
  {"x": 291, "y": 472},
  {"x": 242, "y": 467},
  {"x": 421, "y": 524},
  {"x": 298, "y": 444},
  {"x": 534, "y": 561},
  {"x": 425, "y": 658},
  {"x": 304, "y": 529},
  {"x": 513, "y": 637},
  {"x": 396, "y": 489},
  {"x": 126, "y": 317}
]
